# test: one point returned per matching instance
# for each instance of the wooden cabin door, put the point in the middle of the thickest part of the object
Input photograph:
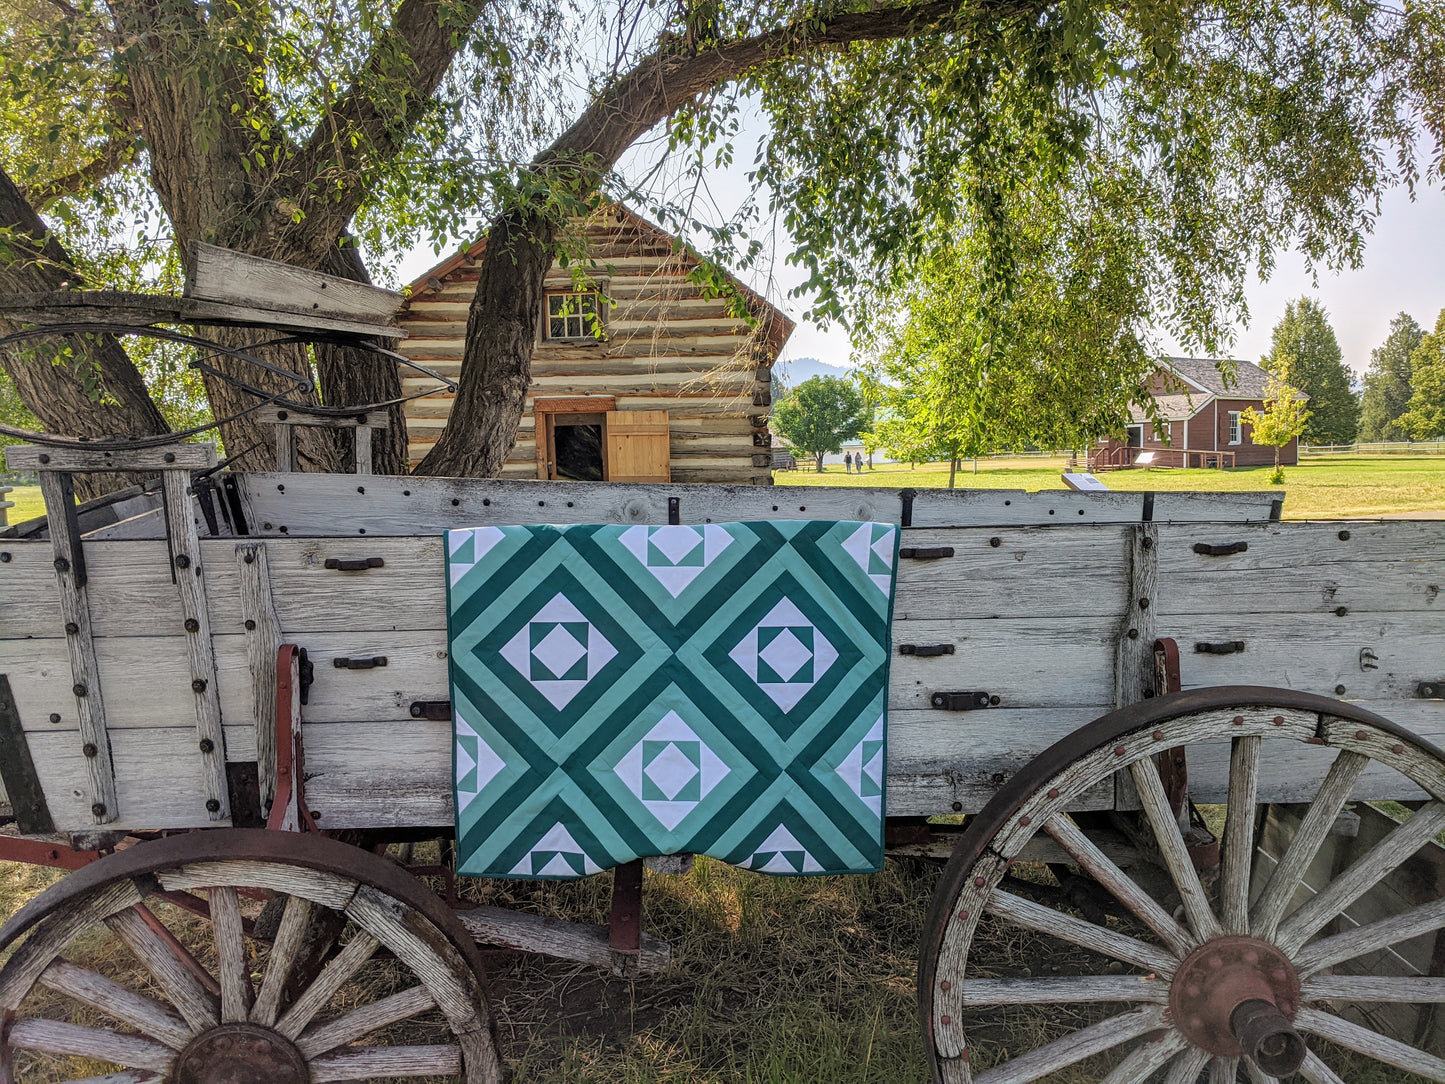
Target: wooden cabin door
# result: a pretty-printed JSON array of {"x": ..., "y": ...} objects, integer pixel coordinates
[{"x": 636, "y": 446}]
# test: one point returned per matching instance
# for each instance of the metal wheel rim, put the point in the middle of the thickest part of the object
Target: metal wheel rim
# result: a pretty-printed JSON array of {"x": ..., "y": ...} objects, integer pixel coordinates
[{"x": 1032, "y": 803}]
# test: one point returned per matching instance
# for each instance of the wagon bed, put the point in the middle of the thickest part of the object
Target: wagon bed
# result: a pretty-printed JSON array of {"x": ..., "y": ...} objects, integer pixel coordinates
[{"x": 1019, "y": 619}]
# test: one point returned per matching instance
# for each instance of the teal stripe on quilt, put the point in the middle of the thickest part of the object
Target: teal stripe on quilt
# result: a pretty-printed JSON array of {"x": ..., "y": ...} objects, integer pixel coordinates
[{"x": 719, "y": 689}]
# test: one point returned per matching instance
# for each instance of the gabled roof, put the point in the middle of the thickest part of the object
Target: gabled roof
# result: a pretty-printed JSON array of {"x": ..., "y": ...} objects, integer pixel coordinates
[
  {"x": 1203, "y": 374},
  {"x": 774, "y": 322}
]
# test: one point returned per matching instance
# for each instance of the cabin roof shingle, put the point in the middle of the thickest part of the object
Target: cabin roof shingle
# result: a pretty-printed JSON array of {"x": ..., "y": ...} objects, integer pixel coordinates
[{"x": 1249, "y": 378}]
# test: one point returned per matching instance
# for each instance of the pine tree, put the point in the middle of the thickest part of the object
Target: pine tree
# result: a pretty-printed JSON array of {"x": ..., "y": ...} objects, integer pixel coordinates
[
  {"x": 1425, "y": 420},
  {"x": 1305, "y": 354},
  {"x": 1387, "y": 382}
]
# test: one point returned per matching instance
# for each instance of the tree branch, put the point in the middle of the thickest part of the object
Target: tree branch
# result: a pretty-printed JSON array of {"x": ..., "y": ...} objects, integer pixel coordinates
[
  {"x": 358, "y": 128},
  {"x": 664, "y": 81},
  {"x": 114, "y": 153}
]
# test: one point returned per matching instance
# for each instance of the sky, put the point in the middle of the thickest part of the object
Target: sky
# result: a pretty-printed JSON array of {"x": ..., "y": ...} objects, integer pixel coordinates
[{"x": 1403, "y": 267}]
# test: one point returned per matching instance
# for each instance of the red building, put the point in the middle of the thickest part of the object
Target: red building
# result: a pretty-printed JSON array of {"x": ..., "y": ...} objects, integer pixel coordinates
[{"x": 1202, "y": 426}]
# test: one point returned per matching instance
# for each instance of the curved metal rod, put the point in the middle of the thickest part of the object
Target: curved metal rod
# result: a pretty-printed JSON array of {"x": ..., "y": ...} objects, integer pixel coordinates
[
  {"x": 150, "y": 331},
  {"x": 264, "y": 398}
]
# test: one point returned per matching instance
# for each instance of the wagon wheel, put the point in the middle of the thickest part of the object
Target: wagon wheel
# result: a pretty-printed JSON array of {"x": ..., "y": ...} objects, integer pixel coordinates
[
  {"x": 254, "y": 1014},
  {"x": 1240, "y": 979}
]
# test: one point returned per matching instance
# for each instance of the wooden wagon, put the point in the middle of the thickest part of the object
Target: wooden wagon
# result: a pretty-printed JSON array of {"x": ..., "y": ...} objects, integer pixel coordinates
[{"x": 224, "y": 704}]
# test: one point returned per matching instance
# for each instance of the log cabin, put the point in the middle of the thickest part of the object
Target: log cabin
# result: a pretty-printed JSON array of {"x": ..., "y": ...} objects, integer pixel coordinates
[
  {"x": 1202, "y": 426},
  {"x": 641, "y": 371}
]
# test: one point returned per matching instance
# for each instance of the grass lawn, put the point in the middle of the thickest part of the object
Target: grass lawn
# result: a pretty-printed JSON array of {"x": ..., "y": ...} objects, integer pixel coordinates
[
  {"x": 28, "y": 504},
  {"x": 1321, "y": 487}
]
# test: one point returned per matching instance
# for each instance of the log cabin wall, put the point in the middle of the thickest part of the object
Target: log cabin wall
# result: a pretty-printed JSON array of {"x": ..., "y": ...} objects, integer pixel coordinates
[{"x": 667, "y": 345}]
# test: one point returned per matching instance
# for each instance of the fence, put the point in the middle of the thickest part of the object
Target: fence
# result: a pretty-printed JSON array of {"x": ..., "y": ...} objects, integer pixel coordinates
[{"x": 1395, "y": 447}]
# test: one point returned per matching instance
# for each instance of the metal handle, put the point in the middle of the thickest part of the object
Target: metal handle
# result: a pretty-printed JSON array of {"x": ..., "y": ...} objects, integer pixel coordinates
[
  {"x": 1219, "y": 647},
  {"x": 926, "y": 553},
  {"x": 1222, "y": 550},
  {"x": 925, "y": 651},
  {"x": 437, "y": 710},
  {"x": 964, "y": 701},
  {"x": 359, "y": 664},
  {"x": 357, "y": 564}
]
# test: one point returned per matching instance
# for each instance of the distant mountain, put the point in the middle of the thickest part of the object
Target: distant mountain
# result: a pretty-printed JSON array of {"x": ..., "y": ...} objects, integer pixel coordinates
[{"x": 792, "y": 373}]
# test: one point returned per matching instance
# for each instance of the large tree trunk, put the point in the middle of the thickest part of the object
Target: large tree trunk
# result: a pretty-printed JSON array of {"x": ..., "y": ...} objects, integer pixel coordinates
[
  {"x": 501, "y": 329},
  {"x": 358, "y": 377},
  {"x": 50, "y": 386}
]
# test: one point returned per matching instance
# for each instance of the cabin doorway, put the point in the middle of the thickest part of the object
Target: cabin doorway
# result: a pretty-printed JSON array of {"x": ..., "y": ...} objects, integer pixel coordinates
[
  {"x": 584, "y": 438},
  {"x": 1134, "y": 436}
]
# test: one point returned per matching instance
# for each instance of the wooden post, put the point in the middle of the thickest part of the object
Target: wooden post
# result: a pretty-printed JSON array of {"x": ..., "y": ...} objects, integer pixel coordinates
[
  {"x": 263, "y": 639},
  {"x": 4, "y": 504},
  {"x": 285, "y": 419},
  {"x": 190, "y": 583},
  {"x": 70, "y": 579},
  {"x": 1134, "y": 655}
]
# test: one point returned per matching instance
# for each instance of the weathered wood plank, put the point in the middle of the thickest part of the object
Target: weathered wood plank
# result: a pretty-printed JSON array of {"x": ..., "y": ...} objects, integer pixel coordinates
[
  {"x": 87, "y": 695},
  {"x": 263, "y": 640},
  {"x": 225, "y": 275},
  {"x": 185, "y": 548},
  {"x": 1304, "y": 568},
  {"x": 38, "y": 457},
  {"x": 159, "y": 779},
  {"x": 278, "y": 415}
]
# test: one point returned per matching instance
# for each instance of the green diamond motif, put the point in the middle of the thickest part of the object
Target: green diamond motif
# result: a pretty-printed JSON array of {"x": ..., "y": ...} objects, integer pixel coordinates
[{"x": 629, "y": 691}]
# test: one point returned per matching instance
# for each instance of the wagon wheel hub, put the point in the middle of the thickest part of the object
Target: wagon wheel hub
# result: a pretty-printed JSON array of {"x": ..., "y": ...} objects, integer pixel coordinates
[
  {"x": 1236, "y": 995},
  {"x": 240, "y": 1054}
]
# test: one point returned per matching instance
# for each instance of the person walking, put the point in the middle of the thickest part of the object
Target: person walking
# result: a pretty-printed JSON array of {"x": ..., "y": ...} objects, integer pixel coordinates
[{"x": 847, "y": 462}]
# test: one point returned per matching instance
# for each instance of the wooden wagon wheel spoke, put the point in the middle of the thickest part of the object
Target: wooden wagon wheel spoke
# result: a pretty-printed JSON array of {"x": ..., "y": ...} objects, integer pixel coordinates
[
  {"x": 388, "y": 1061},
  {"x": 1317, "y": 1072},
  {"x": 141, "y": 1077},
  {"x": 1407, "y": 989},
  {"x": 289, "y": 935},
  {"x": 1146, "y": 1059},
  {"x": 1075, "y": 1047},
  {"x": 336, "y": 974},
  {"x": 1362, "y": 875},
  {"x": 358, "y": 1023},
  {"x": 143, "y": 1013},
  {"x": 1102, "y": 868},
  {"x": 1173, "y": 849},
  {"x": 1238, "y": 844},
  {"x": 212, "y": 1037},
  {"x": 1334, "y": 792},
  {"x": 1371, "y": 1043},
  {"x": 1187, "y": 1066},
  {"x": 1241, "y": 990},
  {"x": 1100, "y": 939},
  {"x": 230, "y": 937},
  {"x": 1223, "y": 1071},
  {"x": 1073, "y": 990},
  {"x": 59, "y": 1037},
  {"x": 1330, "y": 951},
  {"x": 195, "y": 1002}
]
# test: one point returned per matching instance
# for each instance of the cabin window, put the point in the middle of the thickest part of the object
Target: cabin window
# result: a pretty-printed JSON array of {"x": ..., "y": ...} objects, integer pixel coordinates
[
  {"x": 572, "y": 315},
  {"x": 1234, "y": 429}
]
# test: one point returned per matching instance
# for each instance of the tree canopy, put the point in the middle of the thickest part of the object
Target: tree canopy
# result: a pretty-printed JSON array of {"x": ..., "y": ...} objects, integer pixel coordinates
[
  {"x": 335, "y": 135},
  {"x": 1305, "y": 354},
  {"x": 818, "y": 415},
  {"x": 1387, "y": 382}
]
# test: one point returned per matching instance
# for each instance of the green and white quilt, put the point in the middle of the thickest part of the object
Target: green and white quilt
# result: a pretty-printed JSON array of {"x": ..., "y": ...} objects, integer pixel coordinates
[{"x": 719, "y": 689}]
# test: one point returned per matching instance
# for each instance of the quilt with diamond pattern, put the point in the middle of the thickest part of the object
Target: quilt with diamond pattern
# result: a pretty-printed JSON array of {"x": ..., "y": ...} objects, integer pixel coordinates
[{"x": 718, "y": 689}]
